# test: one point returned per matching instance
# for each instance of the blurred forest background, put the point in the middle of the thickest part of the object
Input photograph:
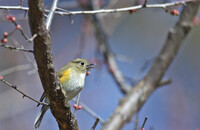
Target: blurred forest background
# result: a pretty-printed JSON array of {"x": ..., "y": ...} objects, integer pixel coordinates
[{"x": 135, "y": 39}]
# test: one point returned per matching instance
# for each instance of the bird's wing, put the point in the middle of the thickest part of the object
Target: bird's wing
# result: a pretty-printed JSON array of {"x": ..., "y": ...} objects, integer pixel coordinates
[{"x": 62, "y": 70}]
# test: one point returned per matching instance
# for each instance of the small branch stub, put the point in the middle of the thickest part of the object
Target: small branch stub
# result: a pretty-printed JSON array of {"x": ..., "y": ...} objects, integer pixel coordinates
[{"x": 144, "y": 122}]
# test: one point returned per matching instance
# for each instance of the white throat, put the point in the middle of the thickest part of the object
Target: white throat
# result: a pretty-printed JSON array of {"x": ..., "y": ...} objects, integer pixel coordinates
[{"x": 82, "y": 75}]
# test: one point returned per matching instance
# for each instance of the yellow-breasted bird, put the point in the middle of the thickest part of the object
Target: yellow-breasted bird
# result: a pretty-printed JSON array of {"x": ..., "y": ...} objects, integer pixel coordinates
[{"x": 72, "y": 78}]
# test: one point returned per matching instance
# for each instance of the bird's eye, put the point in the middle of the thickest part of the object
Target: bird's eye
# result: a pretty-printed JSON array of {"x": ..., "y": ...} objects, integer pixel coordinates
[{"x": 82, "y": 63}]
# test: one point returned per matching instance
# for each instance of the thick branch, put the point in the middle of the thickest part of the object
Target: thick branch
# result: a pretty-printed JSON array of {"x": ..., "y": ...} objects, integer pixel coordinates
[
  {"x": 140, "y": 93},
  {"x": 43, "y": 55}
]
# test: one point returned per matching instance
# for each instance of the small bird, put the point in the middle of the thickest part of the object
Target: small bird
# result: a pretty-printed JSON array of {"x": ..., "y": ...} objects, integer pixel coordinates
[{"x": 72, "y": 78}]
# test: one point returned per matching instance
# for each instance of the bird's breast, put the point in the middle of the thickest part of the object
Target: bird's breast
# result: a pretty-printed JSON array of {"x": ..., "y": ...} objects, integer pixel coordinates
[{"x": 74, "y": 85}]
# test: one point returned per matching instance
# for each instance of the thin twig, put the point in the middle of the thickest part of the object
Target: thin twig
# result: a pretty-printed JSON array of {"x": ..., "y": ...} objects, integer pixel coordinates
[
  {"x": 21, "y": 2},
  {"x": 15, "y": 48},
  {"x": 165, "y": 82},
  {"x": 51, "y": 14},
  {"x": 9, "y": 34},
  {"x": 61, "y": 9},
  {"x": 22, "y": 32},
  {"x": 18, "y": 27},
  {"x": 145, "y": 4},
  {"x": 71, "y": 20},
  {"x": 24, "y": 35},
  {"x": 32, "y": 38},
  {"x": 24, "y": 95},
  {"x": 125, "y": 9},
  {"x": 144, "y": 121},
  {"x": 90, "y": 111},
  {"x": 14, "y": 8},
  {"x": 95, "y": 124}
]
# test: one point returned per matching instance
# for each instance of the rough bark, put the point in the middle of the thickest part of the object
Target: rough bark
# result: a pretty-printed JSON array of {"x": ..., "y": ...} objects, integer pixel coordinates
[{"x": 43, "y": 56}]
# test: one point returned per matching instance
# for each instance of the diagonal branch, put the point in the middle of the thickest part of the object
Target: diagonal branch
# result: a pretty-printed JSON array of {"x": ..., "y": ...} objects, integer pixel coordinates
[
  {"x": 51, "y": 14},
  {"x": 140, "y": 93},
  {"x": 44, "y": 59},
  {"x": 95, "y": 124},
  {"x": 24, "y": 95},
  {"x": 109, "y": 56},
  {"x": 90, "y": 111}
]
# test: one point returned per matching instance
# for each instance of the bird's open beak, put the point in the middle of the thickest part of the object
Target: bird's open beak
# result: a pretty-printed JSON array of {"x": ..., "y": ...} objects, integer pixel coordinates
[{"x": 90, "y": 66}]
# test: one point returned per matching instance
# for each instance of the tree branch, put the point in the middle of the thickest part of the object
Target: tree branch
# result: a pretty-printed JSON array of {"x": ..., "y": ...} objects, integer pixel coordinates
[
  {"x": 43, "y": 55},
  {"x": 90, "y": 111},
  {"x": 15, "y": 48},
  {"x": 109, "y": 56},
  {"x": 95, "y": 124},
  {"x": 133, "y": 102},
  {"x": 145, "y": 120},
  {"x": 24, "y": 95},
  {"x": 51, "y": 14},
  {"x": 125, "y": 9}
]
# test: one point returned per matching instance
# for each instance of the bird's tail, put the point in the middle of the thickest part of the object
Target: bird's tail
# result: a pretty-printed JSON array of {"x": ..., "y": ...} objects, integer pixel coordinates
[{"x": 40, "y": 116}]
